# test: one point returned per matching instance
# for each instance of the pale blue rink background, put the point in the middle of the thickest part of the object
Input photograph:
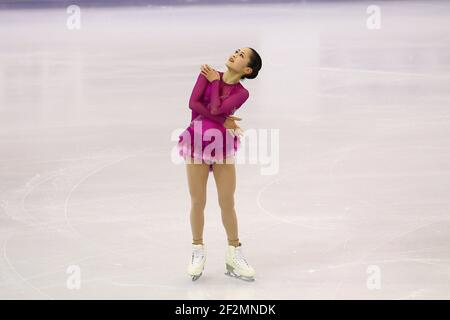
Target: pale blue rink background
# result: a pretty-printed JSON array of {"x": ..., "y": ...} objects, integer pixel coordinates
[{"x": 87, "y": 176}]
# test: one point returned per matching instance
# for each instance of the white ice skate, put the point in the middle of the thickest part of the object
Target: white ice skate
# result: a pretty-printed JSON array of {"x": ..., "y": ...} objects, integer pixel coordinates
[
  {"x": 236, "y": 264},
  {"x": 198, "y": 259}
]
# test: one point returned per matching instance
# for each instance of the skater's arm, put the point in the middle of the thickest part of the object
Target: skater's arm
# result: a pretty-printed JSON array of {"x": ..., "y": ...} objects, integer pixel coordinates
[
  {"x": 195, "y": 103},
  {"x": 228, "y": 105}
]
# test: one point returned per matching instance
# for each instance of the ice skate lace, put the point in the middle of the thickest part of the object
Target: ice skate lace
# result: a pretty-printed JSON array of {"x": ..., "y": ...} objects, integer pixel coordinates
[
  {"x": 239, "y": 256},
  {"x": 197, "y": 255}
]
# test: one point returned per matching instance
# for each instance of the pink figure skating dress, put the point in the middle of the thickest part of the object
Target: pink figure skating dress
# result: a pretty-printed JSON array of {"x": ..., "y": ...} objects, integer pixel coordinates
[{"x": 211, "y": 103}]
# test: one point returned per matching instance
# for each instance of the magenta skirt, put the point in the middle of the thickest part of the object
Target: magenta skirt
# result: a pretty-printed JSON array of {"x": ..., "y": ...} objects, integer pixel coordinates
[{"x": 208, "y": 141}]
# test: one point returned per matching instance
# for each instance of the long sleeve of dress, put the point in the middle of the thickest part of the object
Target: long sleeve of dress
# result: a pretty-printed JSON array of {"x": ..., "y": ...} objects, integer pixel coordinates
[
  {"x": 228, "y": 105},
  {"x": 196, "y": 104}
]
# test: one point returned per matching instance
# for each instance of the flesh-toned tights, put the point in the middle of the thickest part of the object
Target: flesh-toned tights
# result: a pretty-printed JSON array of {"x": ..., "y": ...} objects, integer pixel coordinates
[{"x": 225, "y": 177}]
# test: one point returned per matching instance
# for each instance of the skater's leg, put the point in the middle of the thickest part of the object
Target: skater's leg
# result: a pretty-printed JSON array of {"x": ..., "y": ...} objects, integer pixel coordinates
[
  {"x": 197, "y": 174},
  {"x": 225, "y": 177}
]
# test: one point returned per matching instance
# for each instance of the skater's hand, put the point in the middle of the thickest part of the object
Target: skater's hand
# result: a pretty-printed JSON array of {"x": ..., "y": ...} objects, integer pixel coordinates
[
  {"x": 237, "y": 131},
  {"x": 230, "y": 122},
  {"x": 209, "y": 73}
]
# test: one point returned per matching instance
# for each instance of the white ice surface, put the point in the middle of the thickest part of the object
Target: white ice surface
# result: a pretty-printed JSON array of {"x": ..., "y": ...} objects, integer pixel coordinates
[{"x": 87, "y": 178}]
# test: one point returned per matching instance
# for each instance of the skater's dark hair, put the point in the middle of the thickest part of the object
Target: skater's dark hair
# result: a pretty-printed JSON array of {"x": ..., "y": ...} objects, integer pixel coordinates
[{"x": 255, "y": 63}]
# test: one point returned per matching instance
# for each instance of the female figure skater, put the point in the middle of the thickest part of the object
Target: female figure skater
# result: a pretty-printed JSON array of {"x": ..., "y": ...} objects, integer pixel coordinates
[{"x": 214, "y": 99}]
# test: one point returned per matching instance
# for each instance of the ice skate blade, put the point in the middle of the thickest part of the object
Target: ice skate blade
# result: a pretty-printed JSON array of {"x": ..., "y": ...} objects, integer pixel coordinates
[
  {"x": 232, "y": 274},
  {"x": 195, "y": 277}
]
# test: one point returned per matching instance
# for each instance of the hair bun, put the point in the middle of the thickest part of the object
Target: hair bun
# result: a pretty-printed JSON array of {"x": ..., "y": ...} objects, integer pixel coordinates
[{"x": 255, "y": 64}]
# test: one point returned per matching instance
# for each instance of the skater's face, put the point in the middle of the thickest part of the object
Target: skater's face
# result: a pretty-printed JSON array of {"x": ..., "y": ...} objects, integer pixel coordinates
[{"x": 239, "y": 60}]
